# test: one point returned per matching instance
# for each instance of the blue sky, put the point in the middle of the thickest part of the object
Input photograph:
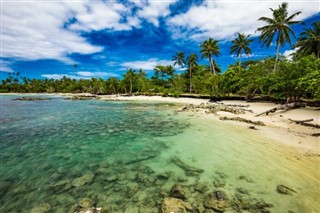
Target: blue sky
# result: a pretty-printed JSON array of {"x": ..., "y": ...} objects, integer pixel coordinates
[{"x": 44, "y": 39}]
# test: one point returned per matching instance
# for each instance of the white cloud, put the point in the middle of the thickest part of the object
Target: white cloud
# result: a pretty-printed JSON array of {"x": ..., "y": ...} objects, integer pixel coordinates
[
  {"x": 153, "y": 10},
  {"x": 5, "y": 66},
  {"x": 100, "y": 15},
  {"x": 59, "y": 76},
  {"x": 39, "y": 30},
  {"x": 96, "y": 74},
  {"x": 288, "y": 53},
  {"x": 222, "y": 19},
  {"x": 34, "y": 30},
  {"x": 145, "y": 65},
  {"x": 81, "y": 75}
]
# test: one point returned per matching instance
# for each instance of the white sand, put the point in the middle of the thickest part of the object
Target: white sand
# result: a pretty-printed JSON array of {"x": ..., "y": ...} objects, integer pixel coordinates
[{"x": 278, "y": 126}]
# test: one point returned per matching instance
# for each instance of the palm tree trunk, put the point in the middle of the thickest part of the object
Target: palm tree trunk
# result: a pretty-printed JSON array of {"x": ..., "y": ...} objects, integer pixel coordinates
[
  {"x": 277, "y": 52},
  {"x": 190, "y": 89},
  {"x": 130, "y": 86},
  {"x": 240, "y": 60},
  {"x": 212, "y": 66}
]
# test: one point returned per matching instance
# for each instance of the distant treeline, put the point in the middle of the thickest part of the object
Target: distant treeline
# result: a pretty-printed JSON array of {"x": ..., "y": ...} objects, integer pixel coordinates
[{"x": 293, "y": 79}]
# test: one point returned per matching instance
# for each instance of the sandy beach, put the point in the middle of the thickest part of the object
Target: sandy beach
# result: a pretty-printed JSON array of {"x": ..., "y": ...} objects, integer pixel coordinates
[{"x": 278, "y": 126}]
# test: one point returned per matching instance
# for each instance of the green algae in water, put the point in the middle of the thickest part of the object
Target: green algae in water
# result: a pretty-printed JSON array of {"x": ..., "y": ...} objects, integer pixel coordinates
[{"x": 119, "y": 154}]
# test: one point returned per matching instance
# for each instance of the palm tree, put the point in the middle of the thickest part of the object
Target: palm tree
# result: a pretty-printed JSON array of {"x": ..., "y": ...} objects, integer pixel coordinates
[
  {"x": 192, "y": 62},
  {"x": 280, "y": 26},
  {"x": 208, "y": 49},
  {"x": 179, "y": 59},
  {"x": 240, "y": 45},
  {"x": 130, "y": 75},
  {"x": 309, "y": 41}
]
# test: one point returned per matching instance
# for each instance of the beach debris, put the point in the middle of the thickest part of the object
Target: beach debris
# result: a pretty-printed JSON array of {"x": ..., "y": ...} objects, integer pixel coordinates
[
  {"x": 42, "y": 208},
  {"x": 258, "y": 123},
  {"x": 178, "y": 191},
  {"x": 86, "y": 205},
  {"x": 218, "y": 201},
  {"x": 305, "y": 123},
  {"x": 31, "y": 99},
  {"x": 285, "y": 107},
  {"x": 189, "y": 170},
  {"x": 175, "y": 205},
  {"x": 316, "y": 134},
  {"x": 282, "y": 189}
]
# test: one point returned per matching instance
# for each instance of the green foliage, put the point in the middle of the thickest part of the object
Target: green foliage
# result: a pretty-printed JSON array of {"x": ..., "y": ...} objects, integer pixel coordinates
[{"x": 309, "y": 41}]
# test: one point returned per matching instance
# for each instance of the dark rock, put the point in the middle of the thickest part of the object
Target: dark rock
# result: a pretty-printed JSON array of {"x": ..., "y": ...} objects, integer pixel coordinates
[
  {"x": 217, "y": 201},
  {"x": 178, "y": 191},
  {"x": 253, "y": 127},
  {"x": 282, "y": 189},
  {"x": 31, "y": 99}
]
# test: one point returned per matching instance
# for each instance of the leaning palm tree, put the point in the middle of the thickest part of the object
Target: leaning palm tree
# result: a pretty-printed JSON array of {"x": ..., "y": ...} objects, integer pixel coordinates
[
  {"x": 309, "y": 41},
  {"x": 280, "y": 26},
  {"x": 179, "y": 59},
  {"x": 130, "y": 75},
  {"x": 208, "y": 49},
  {"x": 240, "y": 45},
  {"x": 192, "y": 62}
]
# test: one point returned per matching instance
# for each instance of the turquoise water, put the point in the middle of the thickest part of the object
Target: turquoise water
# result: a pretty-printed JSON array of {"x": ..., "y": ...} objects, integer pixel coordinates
[{"x": 121, "y": 155}]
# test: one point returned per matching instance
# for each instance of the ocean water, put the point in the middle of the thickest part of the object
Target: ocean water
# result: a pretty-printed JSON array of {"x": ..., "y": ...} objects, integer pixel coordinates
[{"x": 126, "y": 156}]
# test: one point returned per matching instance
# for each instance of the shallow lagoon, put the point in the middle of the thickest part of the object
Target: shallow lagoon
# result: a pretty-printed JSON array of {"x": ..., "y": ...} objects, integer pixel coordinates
[{"x": 121, "y": 154}]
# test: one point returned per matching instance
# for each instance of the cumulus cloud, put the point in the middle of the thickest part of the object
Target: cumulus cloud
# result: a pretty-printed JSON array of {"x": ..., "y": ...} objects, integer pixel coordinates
[
  {"x": 100, "y": 15},
  {"x": 51, "y": 30},
  {"x": 35, "y": 30},
  {"x": 145, "y": 65},
  {"x": 153, "y": 10},
  {"x": 222, "y": 19}
]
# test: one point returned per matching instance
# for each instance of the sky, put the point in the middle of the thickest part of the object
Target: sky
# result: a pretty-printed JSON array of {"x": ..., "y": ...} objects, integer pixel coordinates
[{"x": 44, "y": 39}]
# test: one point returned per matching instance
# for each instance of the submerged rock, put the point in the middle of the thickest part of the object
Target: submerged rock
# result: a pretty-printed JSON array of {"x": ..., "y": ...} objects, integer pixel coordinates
[
  {"x": 31, "y": 99},
  {"x": 178, "y": 191},
  {"x": 42, "y": 208},
  {"x": 189, "y": 170},
  {"x": 81, "y": 181},
  {"x": 175, "y": 205},
  {"x": 282, "y": 189},
  {"x": 217, "y": 201},
  {"x": 86, "y": 205}
]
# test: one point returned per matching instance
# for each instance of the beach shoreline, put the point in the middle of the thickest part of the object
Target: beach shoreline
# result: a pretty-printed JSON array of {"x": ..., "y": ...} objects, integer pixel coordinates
[{"x": 277, "y": 127}]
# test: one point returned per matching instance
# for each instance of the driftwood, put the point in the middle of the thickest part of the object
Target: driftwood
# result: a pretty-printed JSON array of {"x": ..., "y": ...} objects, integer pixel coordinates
[
  {"x": 305, "y": 123},
  {"x": 284, "y": 107},
  {"x": 258, "y": 123}
]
